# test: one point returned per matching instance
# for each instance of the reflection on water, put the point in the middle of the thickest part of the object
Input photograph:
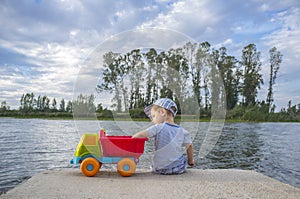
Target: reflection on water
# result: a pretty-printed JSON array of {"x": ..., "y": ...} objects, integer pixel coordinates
[
  {"x": 269, "y": 148},
  {"x": 31, "y": 146},
  {"x": 238, "y": 147},
  {"x": 28, "y": 146}
]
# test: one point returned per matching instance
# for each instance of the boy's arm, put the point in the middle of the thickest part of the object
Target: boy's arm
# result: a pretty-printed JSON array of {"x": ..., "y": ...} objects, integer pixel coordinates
[
  {"x": 190, "y": 154},
  {"x": 141, "y": 134}
]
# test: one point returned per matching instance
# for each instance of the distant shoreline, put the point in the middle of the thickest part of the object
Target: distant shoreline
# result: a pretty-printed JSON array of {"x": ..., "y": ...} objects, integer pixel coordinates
[{"x": 188, "y": 119}]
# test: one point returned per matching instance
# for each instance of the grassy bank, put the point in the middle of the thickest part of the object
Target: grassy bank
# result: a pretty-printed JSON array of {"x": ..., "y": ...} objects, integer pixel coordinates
[
  {"x": 251, "y": 115},
  {"x": 177, "y": 119}
]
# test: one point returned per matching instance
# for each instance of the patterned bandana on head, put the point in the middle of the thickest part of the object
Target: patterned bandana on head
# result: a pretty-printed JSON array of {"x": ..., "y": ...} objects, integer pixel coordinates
[{"x": 164, "y": 103}]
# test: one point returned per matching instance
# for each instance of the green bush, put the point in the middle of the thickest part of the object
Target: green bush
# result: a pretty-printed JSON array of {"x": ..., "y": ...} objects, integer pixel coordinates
[
  {"x": 255, "y": 114},
  {"x": 105, "y": 113},
  {"x": 137, "y": 113},
  {"x": 236, "y": 113}
]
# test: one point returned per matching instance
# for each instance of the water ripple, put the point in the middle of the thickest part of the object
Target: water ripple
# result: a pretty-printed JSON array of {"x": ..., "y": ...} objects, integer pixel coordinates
[{"x": 33, "y": 145}]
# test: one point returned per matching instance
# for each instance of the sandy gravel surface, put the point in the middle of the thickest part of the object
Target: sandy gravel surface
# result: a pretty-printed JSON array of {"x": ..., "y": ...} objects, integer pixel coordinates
[{"x": 229, "y": 183}]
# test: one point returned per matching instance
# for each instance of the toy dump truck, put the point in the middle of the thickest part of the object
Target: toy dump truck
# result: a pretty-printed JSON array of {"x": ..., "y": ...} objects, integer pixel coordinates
[{"x": 93, "y": 150}]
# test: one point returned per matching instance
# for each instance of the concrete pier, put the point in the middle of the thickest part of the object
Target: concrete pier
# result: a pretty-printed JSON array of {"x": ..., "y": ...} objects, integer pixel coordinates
[{"x": 229, "y": 183}]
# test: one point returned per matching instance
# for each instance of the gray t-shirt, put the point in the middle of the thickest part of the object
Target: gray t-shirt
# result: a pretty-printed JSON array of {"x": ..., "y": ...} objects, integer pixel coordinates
[{"x": 169, "y": 142}]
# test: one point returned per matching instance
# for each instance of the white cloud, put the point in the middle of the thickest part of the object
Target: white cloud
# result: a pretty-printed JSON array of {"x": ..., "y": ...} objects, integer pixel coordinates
[
  {"x": 44, "y": 43},
  {"x": 286, "y": 40},
  {"x": 189, "y": 17}
]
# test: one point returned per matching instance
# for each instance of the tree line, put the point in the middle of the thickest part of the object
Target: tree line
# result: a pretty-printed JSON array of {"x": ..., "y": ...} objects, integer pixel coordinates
[
  {"x": 85, "y": 105},
  {"x": 189, "y": 73},
  {"x": 43, "y": 106},
  {"x": 32, "y": 106},
  {"x": 29, "y": 103},
  {"x": 195, "y": 76},
  {"x": 192, "y": 73}
]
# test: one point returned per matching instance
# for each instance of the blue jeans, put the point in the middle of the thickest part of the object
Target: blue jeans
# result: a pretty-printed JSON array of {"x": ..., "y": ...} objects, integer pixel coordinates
[{"x": 179, "y": 169}]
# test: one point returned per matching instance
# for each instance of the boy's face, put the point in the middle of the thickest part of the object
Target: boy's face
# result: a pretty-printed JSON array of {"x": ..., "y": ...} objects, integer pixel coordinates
[{"x": 158, "y": 116}]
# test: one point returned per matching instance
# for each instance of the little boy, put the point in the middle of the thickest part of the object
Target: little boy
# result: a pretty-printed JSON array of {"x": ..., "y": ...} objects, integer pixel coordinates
[{"x": 169, "y": 138}]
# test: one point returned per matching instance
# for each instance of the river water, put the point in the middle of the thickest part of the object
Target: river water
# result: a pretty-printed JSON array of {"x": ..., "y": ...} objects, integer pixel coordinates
[{"x": 29, "y": 146}]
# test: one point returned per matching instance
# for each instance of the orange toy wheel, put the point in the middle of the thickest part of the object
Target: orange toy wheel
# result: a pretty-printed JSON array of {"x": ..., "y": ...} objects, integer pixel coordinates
[
  {"x": 126, "y": 167},
  {"x": 90, "y": 167}
]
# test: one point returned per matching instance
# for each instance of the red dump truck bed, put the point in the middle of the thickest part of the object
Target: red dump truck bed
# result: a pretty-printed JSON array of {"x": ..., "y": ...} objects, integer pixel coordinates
[{"x": 122, "y": 146}]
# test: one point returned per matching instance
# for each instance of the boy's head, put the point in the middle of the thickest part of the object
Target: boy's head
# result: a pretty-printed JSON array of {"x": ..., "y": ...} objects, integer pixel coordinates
[{"x": 165, "y": 103}]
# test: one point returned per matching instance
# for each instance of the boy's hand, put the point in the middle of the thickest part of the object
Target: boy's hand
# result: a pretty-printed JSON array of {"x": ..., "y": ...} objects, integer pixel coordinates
[
  {"x": 190, "y": 154},
  {"x": 191, "y": 163}
]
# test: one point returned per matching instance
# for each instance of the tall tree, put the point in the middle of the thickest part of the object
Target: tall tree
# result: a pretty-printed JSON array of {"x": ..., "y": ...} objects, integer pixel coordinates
[
  {"x": 216, "y": 83},
  {"x": 199, "y": 72},
  {"x": 189, "y": 50},
  {"x": 38, "y": 103},
  {"x": 227, "y": 67},
  {"x": 4, "y": 106},
  {"x": 53, "y": 105},
  {"x": 27, "y": 102},
  {"x": 22, "y": 102},
  {"x": 252, "y": 79},
  {"x": 111, "y": 78},
  {"x": 275, "y": 61},
  {"x": 136, "y": 71},
  {"x": 84, "y": 105},
  {"x": 46, "y": 102},
  {"x": 151, "y": 57},
  {"x": 122, "y": 71},
  {"x": 204, "y": 63},
  {"x": 69, "y": 107},
  {"x": 159, "y": 74},
  {"x": 62, "y": 105},
  {"x": 177, "y": 74}
]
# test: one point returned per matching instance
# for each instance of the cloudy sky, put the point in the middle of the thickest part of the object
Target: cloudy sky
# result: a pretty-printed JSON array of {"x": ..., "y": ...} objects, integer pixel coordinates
[{"x": 43, "y": 43}]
